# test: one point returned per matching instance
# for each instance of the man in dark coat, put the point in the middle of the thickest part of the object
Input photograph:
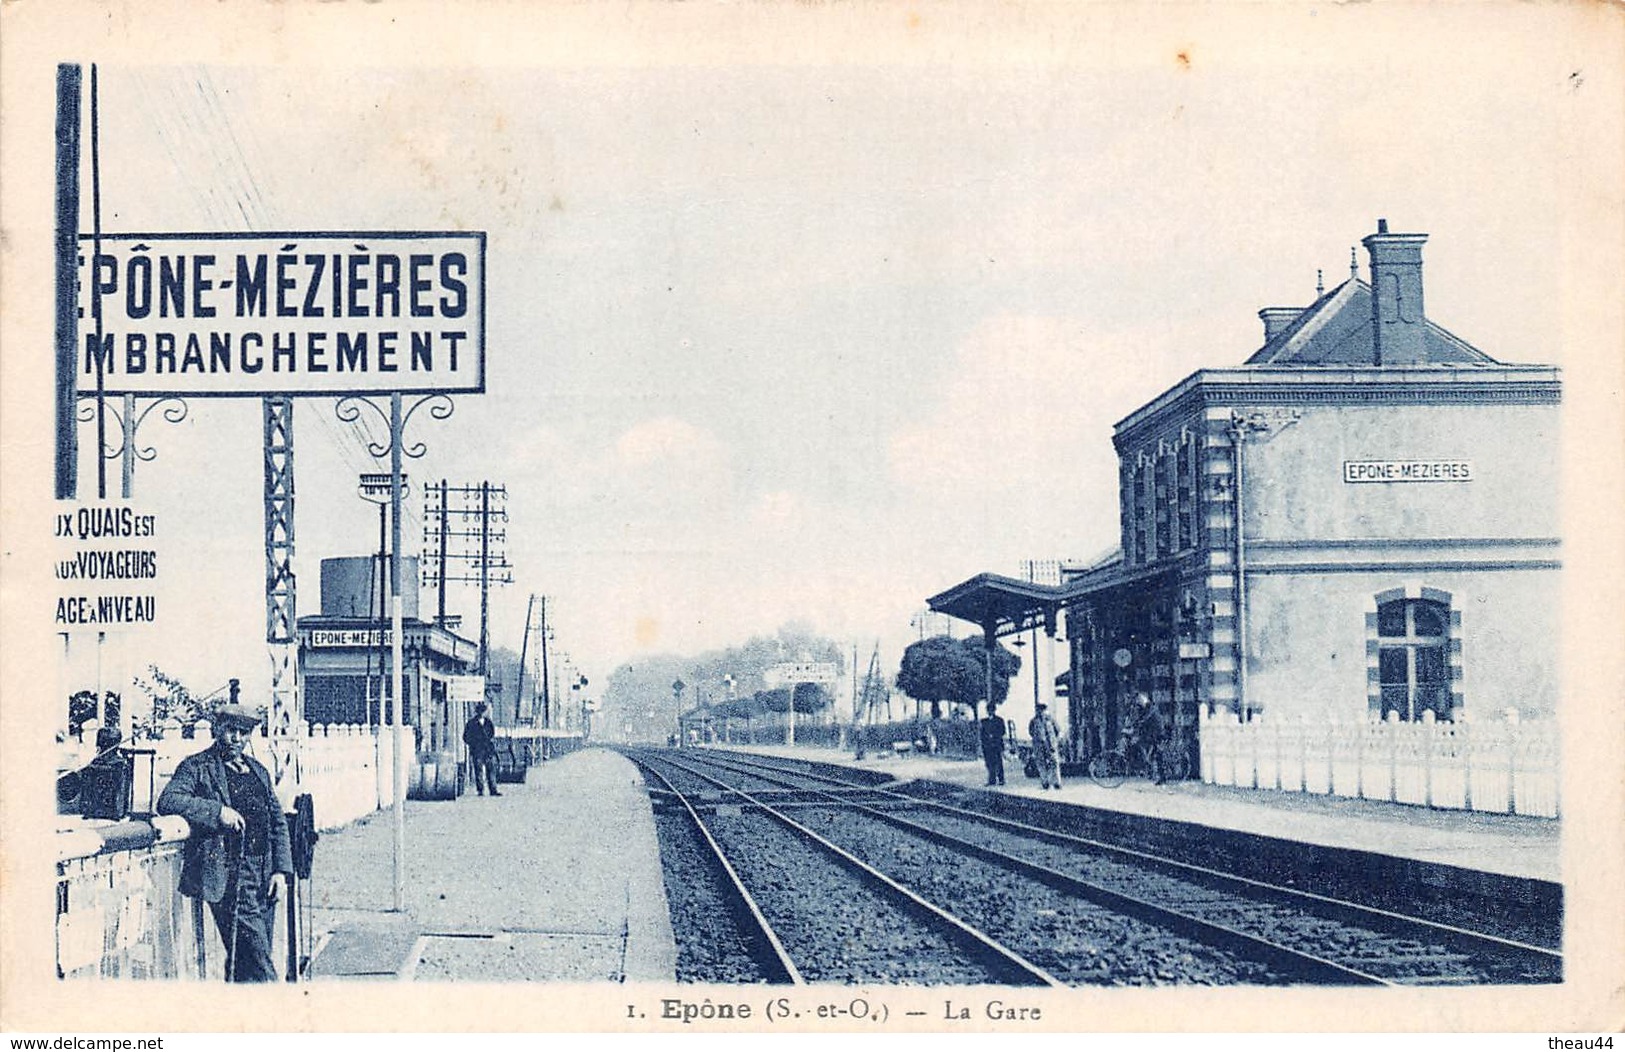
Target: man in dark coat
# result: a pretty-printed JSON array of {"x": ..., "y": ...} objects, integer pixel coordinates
[
  {"x": 1147, "y": 730},
  {"x": 237, "y": 858},
  {"x": 993, "y": 744},
  {"x": 480, "y": 736}
]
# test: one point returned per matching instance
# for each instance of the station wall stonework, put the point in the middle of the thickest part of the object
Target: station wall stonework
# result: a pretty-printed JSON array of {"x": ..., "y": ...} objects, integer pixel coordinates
[
  {"x": 1307, "y": 641},
  {"x": 1296, "y": 489}
]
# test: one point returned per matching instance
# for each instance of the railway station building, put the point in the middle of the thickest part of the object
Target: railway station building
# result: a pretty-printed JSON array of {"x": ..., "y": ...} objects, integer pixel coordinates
[{"x": 1359, "y": 523}]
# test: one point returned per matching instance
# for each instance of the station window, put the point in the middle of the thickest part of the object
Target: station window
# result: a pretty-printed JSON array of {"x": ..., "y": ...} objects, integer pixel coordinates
[
  {"x": 1186, "y": 498},
  {"x": 1413, "y": 657}
]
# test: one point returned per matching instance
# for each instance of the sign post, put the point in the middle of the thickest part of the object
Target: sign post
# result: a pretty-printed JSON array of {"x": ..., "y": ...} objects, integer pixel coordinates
[
  {"x": 794, "y": 673},
  {"x": 397, "y": 651},
  {"x": 277, "y": 316}
]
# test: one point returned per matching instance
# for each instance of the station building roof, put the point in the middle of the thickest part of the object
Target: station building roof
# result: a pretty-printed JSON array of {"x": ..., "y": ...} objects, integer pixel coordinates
[
  {"x": 1337, "y": 329},
  {"x": 1002, "y": 604}
]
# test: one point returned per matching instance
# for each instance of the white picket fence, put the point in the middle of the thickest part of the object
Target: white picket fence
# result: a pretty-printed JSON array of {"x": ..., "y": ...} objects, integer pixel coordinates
[
  {"x": 1504, "y": 766},
  {"x": 346, "y": 770}
]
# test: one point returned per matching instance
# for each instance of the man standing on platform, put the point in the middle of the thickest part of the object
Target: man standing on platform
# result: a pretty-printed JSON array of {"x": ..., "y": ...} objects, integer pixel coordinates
[
  {"x": 237, "y": 858},
  {"x": 1046, "y": 737},
  {"x": 993, "y": 744},
  {"x": 480, "y": 735},
  {"x": 1147, "y": 731}
]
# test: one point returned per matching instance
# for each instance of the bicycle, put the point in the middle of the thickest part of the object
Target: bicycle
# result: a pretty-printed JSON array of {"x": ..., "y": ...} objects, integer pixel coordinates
[
  {"x": 1159, "y": 761},
  {"x": 1176, "y": 757},
  {"x": 1109, "y": 769}
]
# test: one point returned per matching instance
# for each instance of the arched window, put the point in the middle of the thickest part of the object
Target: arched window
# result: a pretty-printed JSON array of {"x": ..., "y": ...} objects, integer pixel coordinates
[{"x": 1413, "y": 657}]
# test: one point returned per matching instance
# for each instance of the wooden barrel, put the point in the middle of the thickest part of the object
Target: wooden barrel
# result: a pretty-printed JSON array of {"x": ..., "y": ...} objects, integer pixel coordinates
[{"x": 434, "y": 777}]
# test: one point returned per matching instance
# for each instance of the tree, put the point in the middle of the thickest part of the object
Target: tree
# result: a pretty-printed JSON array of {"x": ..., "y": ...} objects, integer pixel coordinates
[
  {"x": 502, "y": 674},
  {"x": 775, "y": 700},
  {"x": 748, "y": 709},
  {"x": 738, "y": 709},
  {"x": 810, "y": 698},
  {"x": 169, "y": 699},
  {"x": 944, "y": 669},
  {"x": 82, "y": 707},
  {"x": 637, "y": 700}
]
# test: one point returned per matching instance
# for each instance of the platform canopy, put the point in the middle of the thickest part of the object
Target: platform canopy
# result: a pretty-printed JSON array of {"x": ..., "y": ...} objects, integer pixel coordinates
[
  {"x": 1007, "y": 606},
  {"x": 1002, "y": 605}
]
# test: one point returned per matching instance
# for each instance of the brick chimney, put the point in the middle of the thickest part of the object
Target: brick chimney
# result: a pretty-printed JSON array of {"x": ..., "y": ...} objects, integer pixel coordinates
[
  {"x": 1399, "y": 331},
  {"x": 1276, "y": 319}
]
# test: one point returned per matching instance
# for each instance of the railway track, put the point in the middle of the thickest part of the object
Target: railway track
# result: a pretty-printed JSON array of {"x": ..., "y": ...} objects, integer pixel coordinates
[
  {"x": 861, "y": 927},
  {"x": 1297, "y": 936}
]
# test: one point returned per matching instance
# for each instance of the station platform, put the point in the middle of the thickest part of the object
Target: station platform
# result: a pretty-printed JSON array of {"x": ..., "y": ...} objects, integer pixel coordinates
[
  {"x": 558, "y": 879},
  {"x": 1506, "y": 845}
]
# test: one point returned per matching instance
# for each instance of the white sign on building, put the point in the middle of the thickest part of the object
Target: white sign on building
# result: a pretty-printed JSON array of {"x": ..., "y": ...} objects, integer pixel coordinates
[
  {"x": 350, "y": 637},
  {"x": 1407, "y": 471}
]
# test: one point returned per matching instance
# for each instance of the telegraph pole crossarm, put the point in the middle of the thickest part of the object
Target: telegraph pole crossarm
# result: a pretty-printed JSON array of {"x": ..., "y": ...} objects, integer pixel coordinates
[{"x": 484, "y": 504}]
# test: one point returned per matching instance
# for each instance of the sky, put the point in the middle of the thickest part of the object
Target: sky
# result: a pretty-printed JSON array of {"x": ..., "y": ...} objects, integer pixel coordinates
[{"x": 807, "y": 342}]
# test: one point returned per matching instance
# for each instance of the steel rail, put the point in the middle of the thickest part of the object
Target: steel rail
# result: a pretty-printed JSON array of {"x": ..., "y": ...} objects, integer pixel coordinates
[
  {"x": 779, "y": 969},
  {"x": 1003, "y": 956},
  {"x": 1333, "y": 908},
  {"x": 1296, "y": 963},
  {"x": 1250, "y": 891}
]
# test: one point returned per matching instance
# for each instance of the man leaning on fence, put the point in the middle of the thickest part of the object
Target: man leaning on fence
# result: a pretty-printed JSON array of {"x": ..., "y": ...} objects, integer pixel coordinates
[{"x": 237, "y": 858}]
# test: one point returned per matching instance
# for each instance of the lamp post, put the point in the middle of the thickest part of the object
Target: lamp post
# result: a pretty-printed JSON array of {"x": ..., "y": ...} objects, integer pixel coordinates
[
  {"x": 1032, "y": 575},
  {"x": 378, "y": 488},
  {"x": 990, "y": 639},
  {"x": 1259, "y": 424},
  {"x": 576, "y": 683},
  {"x": 348, "y": 410}
]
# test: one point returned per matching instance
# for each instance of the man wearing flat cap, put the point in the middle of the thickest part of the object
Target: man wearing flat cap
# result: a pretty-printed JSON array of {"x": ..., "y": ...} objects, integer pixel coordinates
[{"x": 237, "y": 858}]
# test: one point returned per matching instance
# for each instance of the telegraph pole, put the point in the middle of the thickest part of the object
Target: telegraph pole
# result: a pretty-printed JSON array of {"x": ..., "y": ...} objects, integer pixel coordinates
[
  {"x": 524, "y": 650},
  {"x": 69, "y": 85},
  {"x": 485, "y": 576},
  {"x": 397, "y": 684},
  {"x": 440, "y": 609},
  {"x": 485, "y": 505},
  {"x": 547, "y": 684}
]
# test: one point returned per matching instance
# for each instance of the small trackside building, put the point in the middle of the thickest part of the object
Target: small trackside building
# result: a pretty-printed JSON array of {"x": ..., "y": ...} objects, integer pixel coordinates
[{"x": 345, "y": 656}]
